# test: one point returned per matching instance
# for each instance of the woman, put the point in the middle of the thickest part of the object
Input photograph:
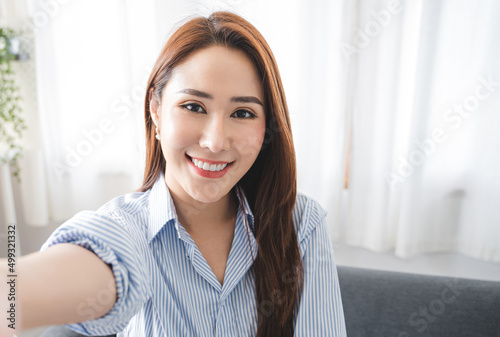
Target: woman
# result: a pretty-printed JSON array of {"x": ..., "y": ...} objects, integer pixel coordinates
[{"x": 217, "y": 241}]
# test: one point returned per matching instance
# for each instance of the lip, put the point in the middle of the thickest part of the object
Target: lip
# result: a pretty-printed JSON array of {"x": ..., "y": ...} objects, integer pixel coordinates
[{"x": 209, "y": 174}]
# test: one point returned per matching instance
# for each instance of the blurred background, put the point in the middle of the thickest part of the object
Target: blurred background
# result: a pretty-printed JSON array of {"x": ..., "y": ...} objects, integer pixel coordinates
[{"x": 395, "y": 107}]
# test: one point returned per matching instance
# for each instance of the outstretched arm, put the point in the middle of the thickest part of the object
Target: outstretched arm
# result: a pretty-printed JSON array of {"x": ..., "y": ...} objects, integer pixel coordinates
[
  {"x": 93, "y": 271},
  {"x": 63, "y": 284}
]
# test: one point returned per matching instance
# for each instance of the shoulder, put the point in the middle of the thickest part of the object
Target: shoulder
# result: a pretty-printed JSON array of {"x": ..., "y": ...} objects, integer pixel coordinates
[
  {"x": 307, "y": 215},
  {"x": 128, "y": 211},
  {"x": 115, "y": 217},
  {"x": 119, "y": 211},
  {"x": 122, "y": 210},
  {"x": 130, "y": 204}
]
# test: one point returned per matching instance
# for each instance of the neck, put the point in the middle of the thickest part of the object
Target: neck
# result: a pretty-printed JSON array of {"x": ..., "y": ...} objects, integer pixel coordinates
[{"x": 204, "y": 219}]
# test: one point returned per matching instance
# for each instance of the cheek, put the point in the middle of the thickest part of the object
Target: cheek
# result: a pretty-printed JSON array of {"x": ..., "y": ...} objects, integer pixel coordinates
[
  {"x": 176, "y": 133},
  {"x": 251, "y": 142}
]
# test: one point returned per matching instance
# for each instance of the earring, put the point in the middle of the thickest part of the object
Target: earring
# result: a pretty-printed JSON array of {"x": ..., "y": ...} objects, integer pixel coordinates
[{"x": 157, "y": 134}]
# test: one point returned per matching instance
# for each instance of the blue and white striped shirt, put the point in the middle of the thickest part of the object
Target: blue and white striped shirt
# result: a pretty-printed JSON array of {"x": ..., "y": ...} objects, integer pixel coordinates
[{"x": 165, "y": 287}]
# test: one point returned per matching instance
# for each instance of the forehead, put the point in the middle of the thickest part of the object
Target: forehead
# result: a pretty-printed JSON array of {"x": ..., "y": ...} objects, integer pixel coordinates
[{"x": 218, "y": 70}]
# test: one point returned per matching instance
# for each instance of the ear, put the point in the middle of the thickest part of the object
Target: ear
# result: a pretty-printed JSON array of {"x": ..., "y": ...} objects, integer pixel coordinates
[
  {"x": 153, "y": 108},
  {"x": 154, "y": 115}
]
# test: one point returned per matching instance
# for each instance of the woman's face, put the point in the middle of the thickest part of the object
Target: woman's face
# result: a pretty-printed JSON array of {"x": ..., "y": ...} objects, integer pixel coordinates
[{"x": 212, "y": 123}]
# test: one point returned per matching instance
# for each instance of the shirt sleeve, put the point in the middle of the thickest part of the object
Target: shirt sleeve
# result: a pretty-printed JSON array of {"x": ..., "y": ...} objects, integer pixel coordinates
[
  {"x": 117, "y": 246},
  {"x": 320, "y": 312}
]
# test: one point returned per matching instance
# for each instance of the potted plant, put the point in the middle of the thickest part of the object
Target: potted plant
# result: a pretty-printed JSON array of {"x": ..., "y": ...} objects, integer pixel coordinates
[{"x": 11, "y": 122}]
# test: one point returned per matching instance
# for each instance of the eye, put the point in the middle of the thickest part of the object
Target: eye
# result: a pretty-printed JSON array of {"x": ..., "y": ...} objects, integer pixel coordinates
[
  {"x": 243, "y": 114},
  {"x": 193, "y": 107}
]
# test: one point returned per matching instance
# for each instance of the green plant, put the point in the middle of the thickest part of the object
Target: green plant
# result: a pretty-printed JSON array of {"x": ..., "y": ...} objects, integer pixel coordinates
[{"x": 11, "y": 122}]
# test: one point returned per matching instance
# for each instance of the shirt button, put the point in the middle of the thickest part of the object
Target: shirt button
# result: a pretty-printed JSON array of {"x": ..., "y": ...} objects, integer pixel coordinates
[{"x": 187, "y": 255}]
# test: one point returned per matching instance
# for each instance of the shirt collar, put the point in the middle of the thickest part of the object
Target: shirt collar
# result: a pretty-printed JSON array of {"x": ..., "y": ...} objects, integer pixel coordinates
[
  {"x": 159, "y": 214},
  {"x": 245, "y": 206},
  {"x": 161, "y": 207}
]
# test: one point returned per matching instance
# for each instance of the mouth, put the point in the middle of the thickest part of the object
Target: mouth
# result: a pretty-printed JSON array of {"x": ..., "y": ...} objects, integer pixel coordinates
[{"x": 209, "y": 168}]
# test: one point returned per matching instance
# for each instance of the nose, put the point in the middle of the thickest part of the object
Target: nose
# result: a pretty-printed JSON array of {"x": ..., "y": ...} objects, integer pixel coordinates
[{"x": 215, "y": 136}]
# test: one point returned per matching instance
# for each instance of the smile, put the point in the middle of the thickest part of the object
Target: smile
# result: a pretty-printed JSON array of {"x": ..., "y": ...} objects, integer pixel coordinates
[{"x": 208, "y": 168}]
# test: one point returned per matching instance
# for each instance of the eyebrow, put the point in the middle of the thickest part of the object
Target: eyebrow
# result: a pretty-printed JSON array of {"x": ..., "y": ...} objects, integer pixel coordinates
[{"x": 238, "y": 99}]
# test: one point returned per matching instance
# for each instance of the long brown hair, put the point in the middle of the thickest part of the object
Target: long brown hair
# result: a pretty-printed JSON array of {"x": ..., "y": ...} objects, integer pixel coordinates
[{"x": 270, "y": 184}]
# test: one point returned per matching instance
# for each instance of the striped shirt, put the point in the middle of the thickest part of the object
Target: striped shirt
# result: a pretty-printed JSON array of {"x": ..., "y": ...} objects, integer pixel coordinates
[{"x": 165, "y": 287}]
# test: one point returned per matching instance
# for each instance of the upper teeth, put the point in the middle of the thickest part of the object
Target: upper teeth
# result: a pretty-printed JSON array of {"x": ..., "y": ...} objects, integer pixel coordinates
[{"x": 207, "y": 166}]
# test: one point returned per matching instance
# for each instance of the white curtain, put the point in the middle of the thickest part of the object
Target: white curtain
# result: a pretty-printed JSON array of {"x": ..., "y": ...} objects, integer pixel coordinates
[
  {"x": 376, "y": 80},
  {"x": 93, "y": 60},
  {"x": 425, "y": 164}
]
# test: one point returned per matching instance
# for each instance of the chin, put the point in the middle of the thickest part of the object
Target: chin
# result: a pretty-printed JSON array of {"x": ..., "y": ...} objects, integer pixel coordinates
[{"x": 209, "y": 193}]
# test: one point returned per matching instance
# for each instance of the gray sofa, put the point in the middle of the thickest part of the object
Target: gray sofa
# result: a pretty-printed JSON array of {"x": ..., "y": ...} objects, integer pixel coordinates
[{"x": 388, "y": 304}]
